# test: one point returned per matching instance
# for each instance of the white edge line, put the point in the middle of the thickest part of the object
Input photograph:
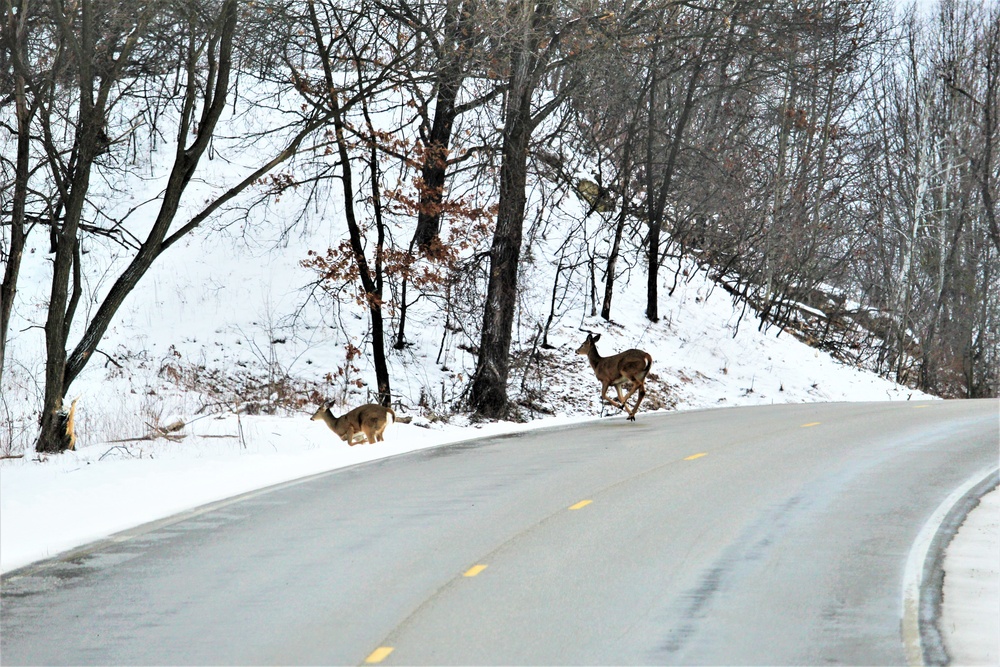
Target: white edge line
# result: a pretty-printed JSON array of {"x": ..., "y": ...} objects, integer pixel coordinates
[{"x": 913, "y": 575}]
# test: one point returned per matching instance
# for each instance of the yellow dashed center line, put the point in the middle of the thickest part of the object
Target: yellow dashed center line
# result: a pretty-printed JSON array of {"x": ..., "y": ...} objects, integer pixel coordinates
[
  {"x": 917, "y": 407},
  {"x": 810, "y": 424},
  {"x": 473, "y": 571},
  {"x": 582, "y": 503},
  {"x": 696, "y": 456},
  {"x": 378, "y": 655}
]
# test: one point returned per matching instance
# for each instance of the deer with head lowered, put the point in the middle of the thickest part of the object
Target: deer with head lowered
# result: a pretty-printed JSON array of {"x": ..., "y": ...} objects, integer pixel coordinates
[
  {"x": 367, "y": 420},
  {"x": 629, "y": 367}
]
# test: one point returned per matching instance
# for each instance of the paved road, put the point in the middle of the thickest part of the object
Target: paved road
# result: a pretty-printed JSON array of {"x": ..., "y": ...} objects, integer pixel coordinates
[{"x": 773, "y": 535}]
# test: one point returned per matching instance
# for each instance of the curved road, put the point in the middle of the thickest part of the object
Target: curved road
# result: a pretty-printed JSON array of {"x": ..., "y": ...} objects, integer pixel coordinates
[{"x": 772, "y": 535}]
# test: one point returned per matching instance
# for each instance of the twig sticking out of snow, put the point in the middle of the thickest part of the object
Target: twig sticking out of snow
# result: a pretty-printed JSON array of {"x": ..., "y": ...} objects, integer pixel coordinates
[{"x": 168, "y": 432}]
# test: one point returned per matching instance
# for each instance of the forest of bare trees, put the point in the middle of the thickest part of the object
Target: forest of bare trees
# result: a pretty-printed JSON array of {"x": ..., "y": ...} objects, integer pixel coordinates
[{"x": 834, "y": 164}]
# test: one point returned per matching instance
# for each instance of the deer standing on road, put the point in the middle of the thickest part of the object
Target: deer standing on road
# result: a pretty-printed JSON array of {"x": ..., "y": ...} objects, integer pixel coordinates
[
  {"x": 367, "y": 420},
  {"x": 628, "y": 367}
]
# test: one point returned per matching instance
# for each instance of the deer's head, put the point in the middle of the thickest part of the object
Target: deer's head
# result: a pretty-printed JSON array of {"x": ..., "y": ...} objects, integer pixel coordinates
[{"x": 588, "y": 344}]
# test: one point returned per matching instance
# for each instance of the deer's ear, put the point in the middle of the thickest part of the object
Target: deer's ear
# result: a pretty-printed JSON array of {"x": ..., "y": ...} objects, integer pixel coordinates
[{"x": 595, "y": 338}]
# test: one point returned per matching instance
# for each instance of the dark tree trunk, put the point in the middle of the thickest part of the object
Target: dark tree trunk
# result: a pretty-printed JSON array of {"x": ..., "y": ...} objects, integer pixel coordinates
[
  {"x": 434, "y": 169},
  {"x": 654, "y": 215},
  {"x": 657, "y": 208},
  {"x": 653, "y": 273},
  {"x": 24, "y": 112},
  {"x": 623, "y": 186},
  {"x": 52, "y": 437},
  {"x": 489, "y": 385},
  {"x": 433, "y": 173},
  {"x": 488, "y": 394},
  {"x": 375, "y": 303},
  {"x": 992, "y": 68},
  {"x": 404, "y": 307},
  {"x": 456, "y": 48}
]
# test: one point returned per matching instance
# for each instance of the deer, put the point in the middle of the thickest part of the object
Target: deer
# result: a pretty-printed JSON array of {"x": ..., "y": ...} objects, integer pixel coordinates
[
  {"x": 364, "y": 421},
  {"x": 628, "y": 367}
]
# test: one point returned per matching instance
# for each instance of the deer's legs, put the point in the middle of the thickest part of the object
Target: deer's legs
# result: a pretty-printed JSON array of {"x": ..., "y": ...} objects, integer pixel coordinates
[
  {"x": 609, "y": 399},
  {"x": 621, "y": 401},
  {"x": 635, "y": 385},
  {"x": 635, "y": 408}
]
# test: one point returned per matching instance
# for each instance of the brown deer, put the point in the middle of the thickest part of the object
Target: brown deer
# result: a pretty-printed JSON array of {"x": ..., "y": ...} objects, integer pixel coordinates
[
  {"x": 628, "y": 367},
  {"x": 367, "y": 420}
]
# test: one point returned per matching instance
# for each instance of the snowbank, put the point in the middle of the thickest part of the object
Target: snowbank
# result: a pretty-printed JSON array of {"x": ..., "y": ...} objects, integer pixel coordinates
[{"x": 970, "y": 610}]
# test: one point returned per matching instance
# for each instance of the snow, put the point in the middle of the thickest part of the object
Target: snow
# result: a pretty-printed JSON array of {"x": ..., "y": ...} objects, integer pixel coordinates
[
  {"x": 970, "y": 610},
  {"x": 81, "y": 496}
]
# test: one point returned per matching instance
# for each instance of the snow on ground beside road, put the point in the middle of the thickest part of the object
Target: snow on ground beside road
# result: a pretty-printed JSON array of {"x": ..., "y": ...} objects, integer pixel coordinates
[
  {"x": 78, "y": 497},
  {"x": 970, "y": 611}
]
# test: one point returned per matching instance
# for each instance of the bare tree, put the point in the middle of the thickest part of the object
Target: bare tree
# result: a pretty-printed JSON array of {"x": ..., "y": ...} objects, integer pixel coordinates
[
  {"x": 359, "y": 44},
  {"x": 99, "y": 46},
  {"x": 104, "y": 51},
  {"x": 931, "y": 275},
  {"x": 454, "y": 34},
  {"x": 15, "y": 33},
  {"x": 987, "y": 158}
]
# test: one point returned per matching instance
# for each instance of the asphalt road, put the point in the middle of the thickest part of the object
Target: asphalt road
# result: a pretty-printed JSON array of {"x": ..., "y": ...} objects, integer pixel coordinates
[{"x": 775, "y": 535}]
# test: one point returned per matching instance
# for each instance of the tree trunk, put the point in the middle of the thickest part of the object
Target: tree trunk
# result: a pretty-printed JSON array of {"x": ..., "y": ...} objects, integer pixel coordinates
[
  {"x": 653, "y": 272},
  {"x": 991, "y": 93},
  {"x": 623, "y": 187},
  {"x": 52, "y": 437},
  {"x": 488, "y": 395},
  {"x": 489, "y": 386},
  {"x": 609, "y": 277},
  {"x": 653, "y": 242},
  {"x": 657, "y": 207},
  {"x": 433, "y": 173},
  {"x": 8, "y": 290},
  {"x": 375, "y": 303},
  {"x": 456, "y": 46}
]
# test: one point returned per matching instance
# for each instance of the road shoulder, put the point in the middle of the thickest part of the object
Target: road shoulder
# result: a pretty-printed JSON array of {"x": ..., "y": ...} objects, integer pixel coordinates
[{"x": 970, "y": 609}]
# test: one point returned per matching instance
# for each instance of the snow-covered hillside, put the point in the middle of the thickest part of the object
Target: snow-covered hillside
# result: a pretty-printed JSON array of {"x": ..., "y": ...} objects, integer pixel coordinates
[{"x": 215, "y": 323}]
